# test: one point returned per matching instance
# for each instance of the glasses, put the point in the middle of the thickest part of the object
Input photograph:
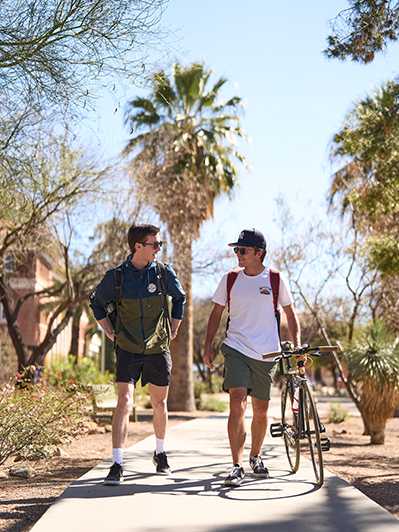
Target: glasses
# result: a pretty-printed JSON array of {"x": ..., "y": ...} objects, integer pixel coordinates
[
  {"x": 154, "y": 245},
  {"x": 240, "y": 251}
]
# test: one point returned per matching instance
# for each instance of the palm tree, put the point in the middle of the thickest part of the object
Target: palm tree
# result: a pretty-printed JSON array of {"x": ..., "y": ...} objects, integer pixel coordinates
[
  {"x": 183, "y": 155},
  {"x": 368, "y": 181}
]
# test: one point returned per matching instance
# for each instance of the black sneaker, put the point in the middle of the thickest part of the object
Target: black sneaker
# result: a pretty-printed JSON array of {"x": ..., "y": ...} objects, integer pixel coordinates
[
  {"x": 235, "y": 477},
  {"x": 258, "y": 467},
  {"x": 115, "y": 475},
  {"x": 161, "y": 462}
]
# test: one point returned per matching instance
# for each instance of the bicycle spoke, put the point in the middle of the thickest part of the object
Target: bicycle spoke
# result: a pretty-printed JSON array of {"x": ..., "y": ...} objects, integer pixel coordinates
[
  {"x": 290, "y": 429},
  {"x": 312, "y": 432}
]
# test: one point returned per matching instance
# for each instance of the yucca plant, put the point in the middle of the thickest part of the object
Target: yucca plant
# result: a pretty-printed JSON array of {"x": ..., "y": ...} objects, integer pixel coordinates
[{"x": 373, "y": 363}]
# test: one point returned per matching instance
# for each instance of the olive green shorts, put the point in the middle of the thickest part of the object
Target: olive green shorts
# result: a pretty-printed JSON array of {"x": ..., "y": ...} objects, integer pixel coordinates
[{"x": 241, "y": 371}]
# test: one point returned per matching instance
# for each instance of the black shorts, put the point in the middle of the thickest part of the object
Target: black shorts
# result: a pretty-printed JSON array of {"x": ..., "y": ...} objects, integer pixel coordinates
[{"x": 154, "y": 369}]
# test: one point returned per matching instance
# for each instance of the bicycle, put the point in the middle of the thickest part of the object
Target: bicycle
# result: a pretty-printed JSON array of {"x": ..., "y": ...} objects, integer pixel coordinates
[{"x": 299, "y": 417}]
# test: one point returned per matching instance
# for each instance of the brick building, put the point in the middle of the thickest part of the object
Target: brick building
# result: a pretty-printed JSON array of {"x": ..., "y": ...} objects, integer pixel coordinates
[{"x": 39, "y": 271}]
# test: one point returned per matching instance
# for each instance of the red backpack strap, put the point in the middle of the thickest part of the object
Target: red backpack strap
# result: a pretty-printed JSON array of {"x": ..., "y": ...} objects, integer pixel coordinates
[
  {"x": 231, "y": 279},
  {"x": 275, "y": 282}
]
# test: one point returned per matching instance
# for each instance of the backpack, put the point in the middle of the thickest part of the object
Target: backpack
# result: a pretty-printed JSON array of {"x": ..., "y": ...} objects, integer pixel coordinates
[{"x": 274, "y": 281}]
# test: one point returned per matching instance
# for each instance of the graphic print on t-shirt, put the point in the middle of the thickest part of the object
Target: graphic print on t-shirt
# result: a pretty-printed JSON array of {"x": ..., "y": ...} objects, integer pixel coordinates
[
  {"x": 265, "y": 290},
  {"x": 253, "y": 327}
]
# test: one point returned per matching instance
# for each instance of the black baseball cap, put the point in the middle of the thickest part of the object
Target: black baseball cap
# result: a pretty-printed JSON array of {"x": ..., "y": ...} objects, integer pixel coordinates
[{"x": 250, "y": 238}]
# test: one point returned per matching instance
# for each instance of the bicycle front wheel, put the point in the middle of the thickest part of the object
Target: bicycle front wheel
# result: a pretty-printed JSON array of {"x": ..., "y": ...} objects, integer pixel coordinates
[
  {"x": 312, "y": 433},
  {"x": 289, "y": 421}
]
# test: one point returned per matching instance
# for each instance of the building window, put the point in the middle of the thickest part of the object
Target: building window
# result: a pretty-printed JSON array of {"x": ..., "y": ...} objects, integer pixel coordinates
[{"x": 9, "y": 264}]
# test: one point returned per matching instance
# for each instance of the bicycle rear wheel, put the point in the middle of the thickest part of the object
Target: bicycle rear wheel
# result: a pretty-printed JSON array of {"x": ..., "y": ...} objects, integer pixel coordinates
[
  {"x": 312, "y": 433},
  {"x": 289, "y": 422}
]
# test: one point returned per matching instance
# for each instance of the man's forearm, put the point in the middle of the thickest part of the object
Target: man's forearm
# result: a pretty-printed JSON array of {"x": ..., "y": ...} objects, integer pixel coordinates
[
  {"x": 175, "y": 324},
  {"x": 294, "y": 329},
  {"x": 213, "y": 325},
  {"x": 106, "y": 325}
]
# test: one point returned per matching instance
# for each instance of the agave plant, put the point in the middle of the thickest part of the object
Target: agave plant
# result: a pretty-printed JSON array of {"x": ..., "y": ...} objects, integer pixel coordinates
[{"x": 373, "y": 363}]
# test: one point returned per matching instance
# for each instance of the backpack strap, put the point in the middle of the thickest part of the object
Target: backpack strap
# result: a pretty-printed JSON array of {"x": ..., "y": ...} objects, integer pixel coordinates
[
  {"x": 231, "y": 279},
  {"x": 118, "y": 279},
  {"x": 161, "y": 277},
  {"x": 275, "y": 283}
]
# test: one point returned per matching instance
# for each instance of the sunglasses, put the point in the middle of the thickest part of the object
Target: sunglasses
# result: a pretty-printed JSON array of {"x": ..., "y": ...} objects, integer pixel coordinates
[
  {"x": 154, "y": 245},
  {"x": 240, "y": 251}
]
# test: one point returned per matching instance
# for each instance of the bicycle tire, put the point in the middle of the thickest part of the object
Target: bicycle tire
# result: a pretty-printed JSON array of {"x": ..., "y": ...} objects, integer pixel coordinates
[
  {"x": 289, "y": 422},
  {"x": 312, "y": 433}
]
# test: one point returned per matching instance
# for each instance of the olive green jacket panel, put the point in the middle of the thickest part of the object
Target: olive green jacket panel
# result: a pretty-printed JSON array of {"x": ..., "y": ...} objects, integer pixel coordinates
[{"x": 142, "y": 325}]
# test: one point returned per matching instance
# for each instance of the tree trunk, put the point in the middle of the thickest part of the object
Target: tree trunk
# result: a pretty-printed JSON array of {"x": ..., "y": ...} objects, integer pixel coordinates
[
  {"x": 181, "y": 393},
  {"x": 377, "y": 437},
  {"x": 317, "y": 376},
  {"x": 348, "y": 382},
  {"x": 40, "y": 351},
  {"x": 12, "y": 327},
  {"x": 75, "y": 333}
]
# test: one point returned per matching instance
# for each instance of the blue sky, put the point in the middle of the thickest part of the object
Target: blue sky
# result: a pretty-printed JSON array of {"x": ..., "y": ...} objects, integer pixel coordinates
[{"x": 295, "y": 99}]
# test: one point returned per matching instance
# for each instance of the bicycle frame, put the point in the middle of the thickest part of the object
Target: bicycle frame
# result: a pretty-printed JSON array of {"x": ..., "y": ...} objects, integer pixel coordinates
[
  {"x": 296, "y": 377},
  {"x": 297, "y": 397}
]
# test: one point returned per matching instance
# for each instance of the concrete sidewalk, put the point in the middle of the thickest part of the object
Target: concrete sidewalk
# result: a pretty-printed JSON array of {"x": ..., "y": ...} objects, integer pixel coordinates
[{"x": 193, "y": 497}]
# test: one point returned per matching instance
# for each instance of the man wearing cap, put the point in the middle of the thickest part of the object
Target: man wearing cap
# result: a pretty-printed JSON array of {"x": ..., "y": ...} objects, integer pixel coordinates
[{"x": 253, "y": 295}]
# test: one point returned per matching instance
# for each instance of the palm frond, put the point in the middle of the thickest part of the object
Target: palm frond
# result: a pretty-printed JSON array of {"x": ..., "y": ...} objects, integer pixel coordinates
[
  {"x": 164, "y": 94},
  {"x": 143, "y": 103}
]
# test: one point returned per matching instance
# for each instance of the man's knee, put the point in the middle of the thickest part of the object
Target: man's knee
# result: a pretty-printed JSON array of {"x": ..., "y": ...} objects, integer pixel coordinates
[
  {"x": 125, "y": 402},
  {"x": 238, "y": 402},
  {"x": 158, "y": 403},
  {"x": 260, "y": 408}
]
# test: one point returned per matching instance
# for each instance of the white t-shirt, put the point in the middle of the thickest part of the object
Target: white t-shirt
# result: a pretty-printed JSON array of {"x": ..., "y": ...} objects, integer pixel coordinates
[{"x": 253, "y": 327}]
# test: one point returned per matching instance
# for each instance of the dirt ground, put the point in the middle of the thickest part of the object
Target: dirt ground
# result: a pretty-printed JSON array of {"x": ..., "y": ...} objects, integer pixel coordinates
[{"x": 374, "y": 469}]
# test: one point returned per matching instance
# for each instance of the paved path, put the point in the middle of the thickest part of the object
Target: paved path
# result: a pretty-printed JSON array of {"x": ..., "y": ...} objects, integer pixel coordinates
[{"x": 193, "y": 498}]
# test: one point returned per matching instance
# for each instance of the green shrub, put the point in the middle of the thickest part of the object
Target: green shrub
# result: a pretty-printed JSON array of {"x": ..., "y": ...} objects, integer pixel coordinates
[
  {"x": 337, "y": 413},
  {"x": 143, "y": 395},
  {"x": 212, "y": 404},
  {"x": 35, "y": 418},
  {"x": 217, "y": 381},
  {"x": 200, "y": 387},
  {"x": 66, "y": 372}
]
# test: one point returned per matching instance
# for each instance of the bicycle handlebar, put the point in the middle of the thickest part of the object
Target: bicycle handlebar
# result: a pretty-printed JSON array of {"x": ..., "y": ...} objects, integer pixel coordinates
[{"x": 304, "y": 350}]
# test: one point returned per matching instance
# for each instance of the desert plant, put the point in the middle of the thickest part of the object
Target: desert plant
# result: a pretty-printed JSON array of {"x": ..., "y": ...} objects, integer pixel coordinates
[
  {"x": 373, "y": 363},
  {"x": 35, "y": 418},
  {"x": 337, "y": 413}
]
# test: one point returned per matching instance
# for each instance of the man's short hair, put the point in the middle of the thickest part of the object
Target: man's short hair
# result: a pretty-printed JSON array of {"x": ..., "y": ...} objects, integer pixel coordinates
[
  {"x": 262, "y": 257},
  {"x": 138, "y": 234}
]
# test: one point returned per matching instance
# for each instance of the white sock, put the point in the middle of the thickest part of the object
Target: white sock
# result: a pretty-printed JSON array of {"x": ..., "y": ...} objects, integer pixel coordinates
[
  {"x": 159, "y": 445},
  {"x": 117, "y": 455}
]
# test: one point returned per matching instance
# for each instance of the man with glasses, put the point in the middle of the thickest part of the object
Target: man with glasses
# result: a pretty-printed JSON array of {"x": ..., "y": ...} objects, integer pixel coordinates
[
  {"x": 132, "y": 305},
  {"x": 253, "y": 295}
]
